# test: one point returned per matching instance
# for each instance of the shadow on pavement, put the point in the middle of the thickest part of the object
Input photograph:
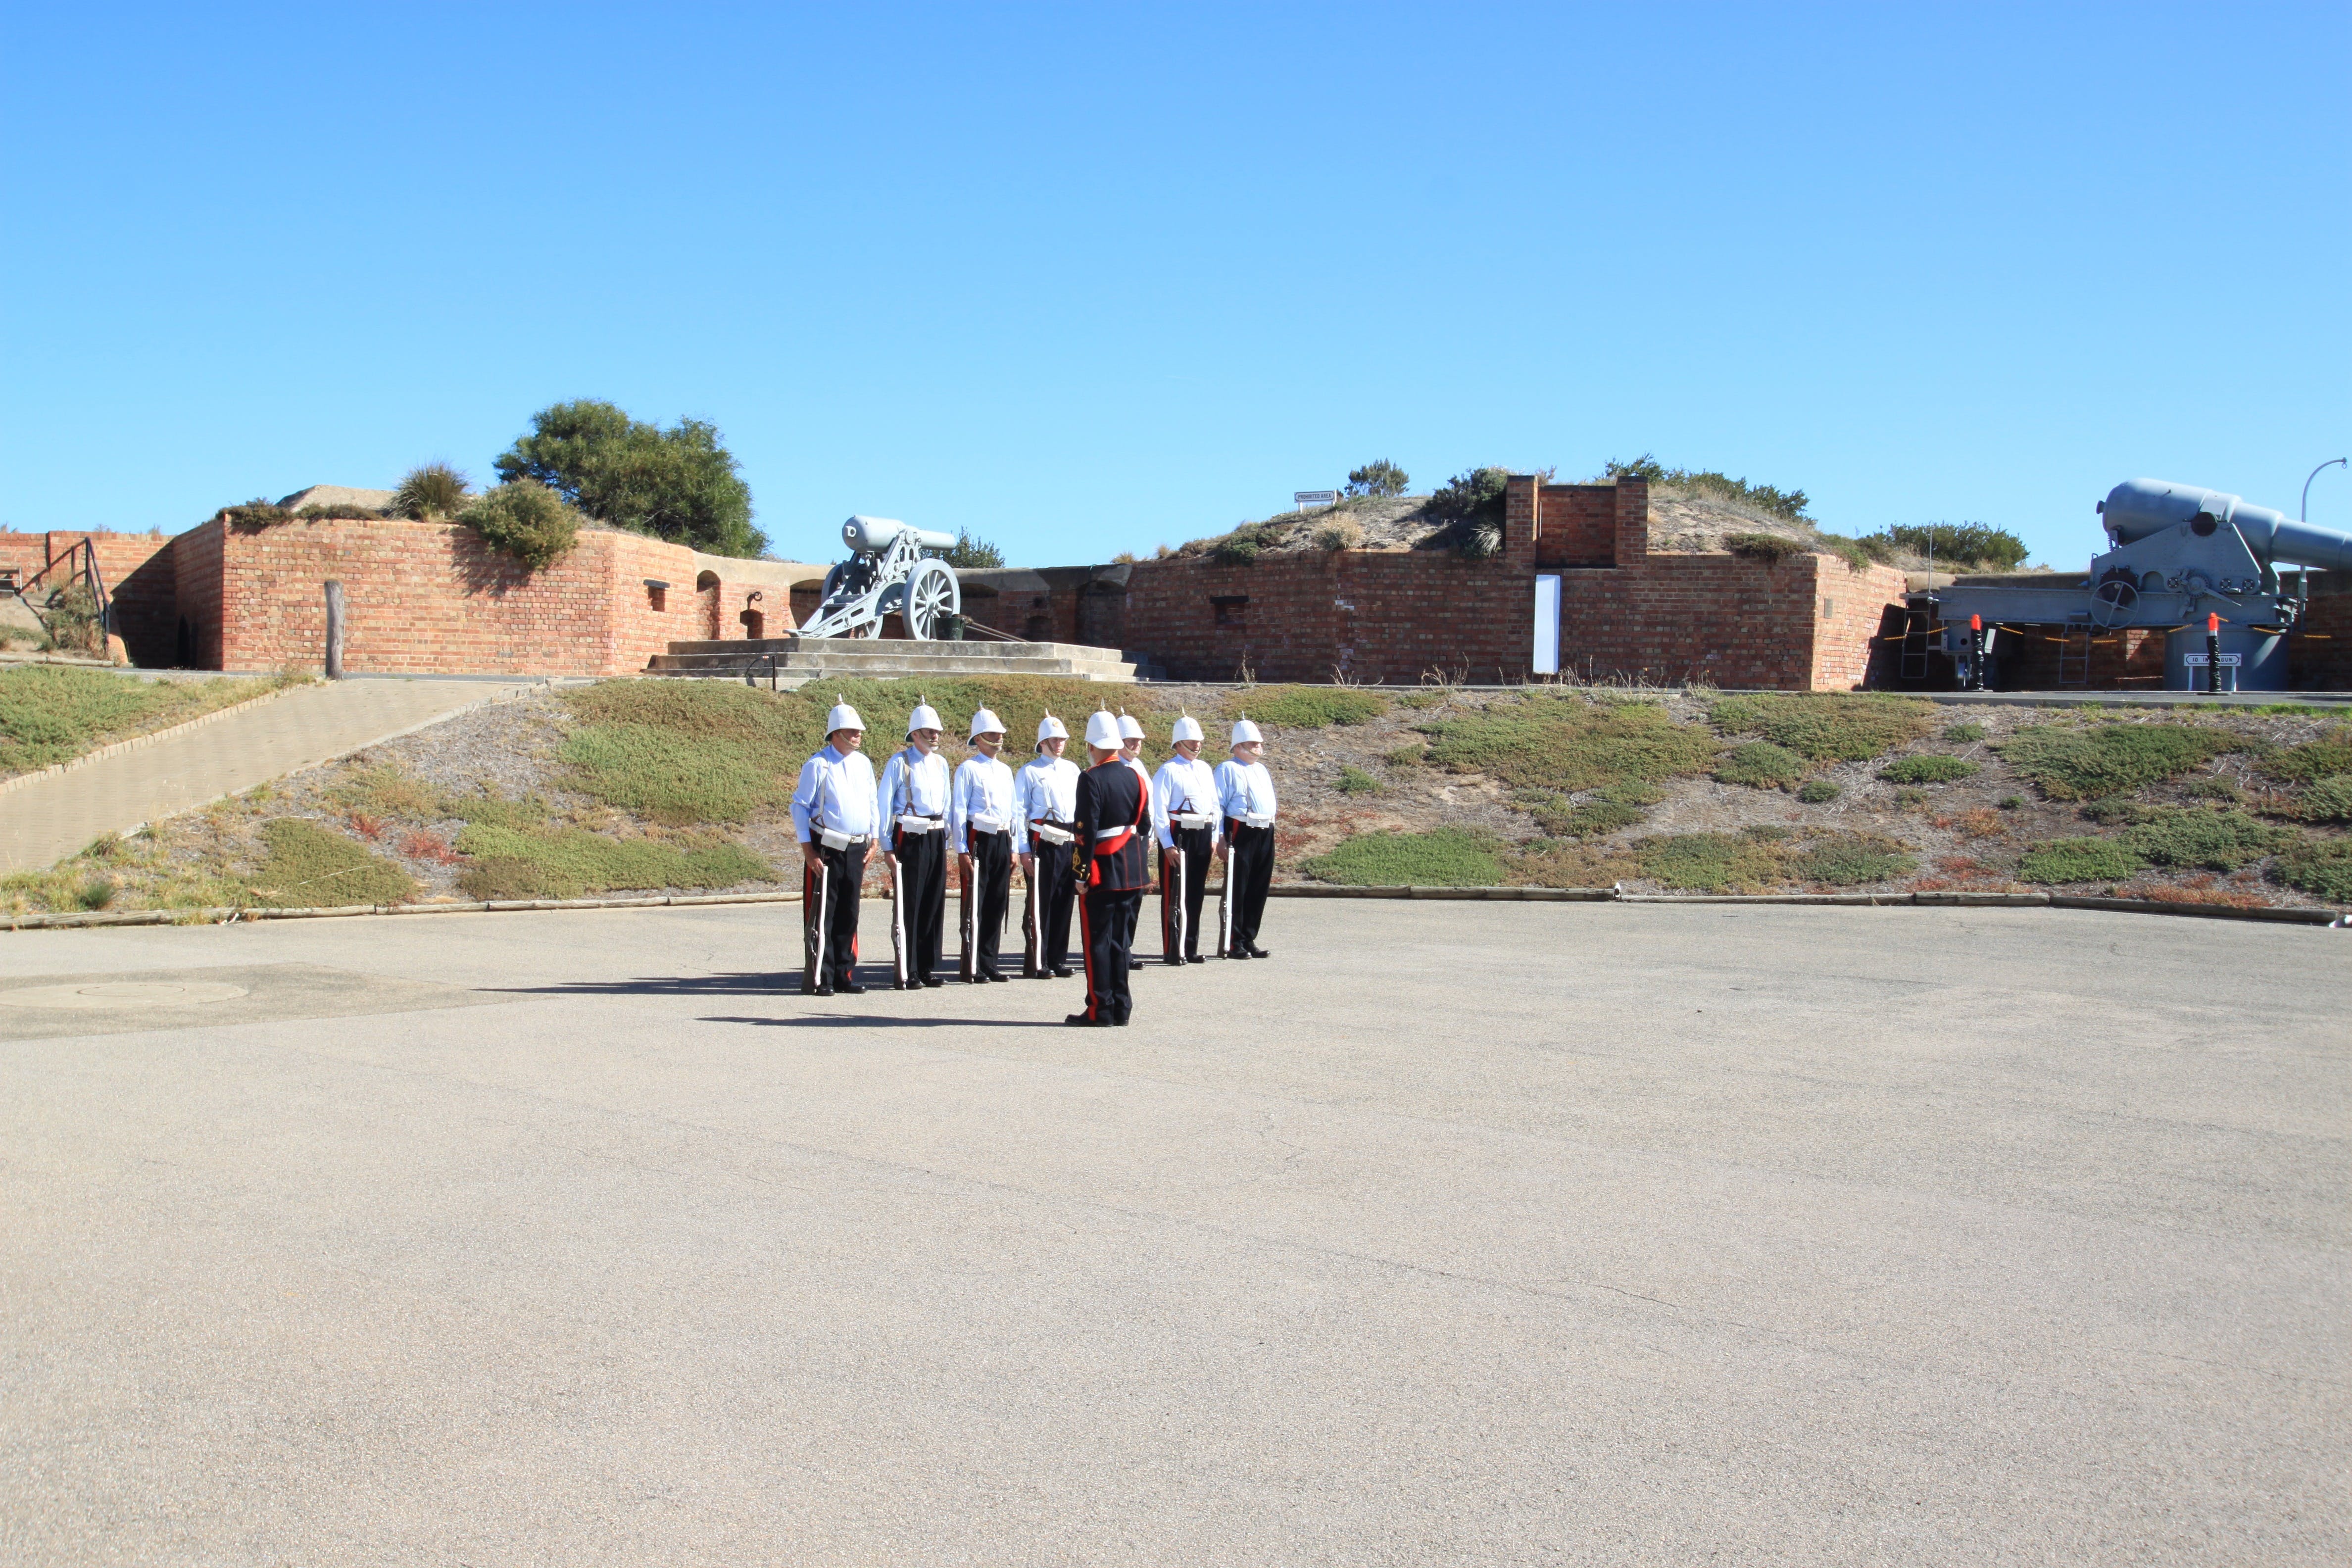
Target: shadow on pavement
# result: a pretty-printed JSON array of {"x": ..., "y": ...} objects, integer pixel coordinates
[{"x": 887, "y": 1021}]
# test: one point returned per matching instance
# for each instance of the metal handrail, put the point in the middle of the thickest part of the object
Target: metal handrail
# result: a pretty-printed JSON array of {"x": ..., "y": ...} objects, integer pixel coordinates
[
  {"x": 81, "y": 552},
  {"x": 750, "y": 667}
]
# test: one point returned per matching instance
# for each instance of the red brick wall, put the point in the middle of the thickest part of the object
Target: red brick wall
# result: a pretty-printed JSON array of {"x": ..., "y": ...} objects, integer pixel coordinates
[
  {"x": 138, "y": 573},
  {"x": 196, "y": 571},
  {"x": 1852, "y": 609}
]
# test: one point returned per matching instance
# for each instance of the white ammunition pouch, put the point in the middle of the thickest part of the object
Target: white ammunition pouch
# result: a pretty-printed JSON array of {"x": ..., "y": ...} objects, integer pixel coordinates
[
  {"x": 832, "y": 840},
  {"x": 1249, "y": 821},
  {"x": 1048, "y": 833},
  {"x": 987, "y": 825},
  {"x": 1191, "y": 819},
  {"x": 919, "y": 825}
]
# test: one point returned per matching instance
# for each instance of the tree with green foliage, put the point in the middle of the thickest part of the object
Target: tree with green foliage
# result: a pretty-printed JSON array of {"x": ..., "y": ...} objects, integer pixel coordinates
[
  {"x": 1471, "y": 505},
  {"x": 1378, "y": 478},
  {"x": 974, "y": 553},
  {"x": 526, "y": 519},
  {"x": 1789, "y": 504},
  {"x": 677, "y": 484},
  {"x": 1960, "y": 543}
]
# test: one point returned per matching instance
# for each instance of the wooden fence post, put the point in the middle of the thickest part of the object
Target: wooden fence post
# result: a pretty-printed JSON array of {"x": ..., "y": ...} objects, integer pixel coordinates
[{"x": 334, "y": 631}]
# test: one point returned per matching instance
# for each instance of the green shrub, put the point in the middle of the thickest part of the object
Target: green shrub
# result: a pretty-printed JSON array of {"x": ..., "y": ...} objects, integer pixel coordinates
[
  {"x": 2116, "y": 810},
  {"x": 2324, "y": 758},
  {"x": 1356, "y": 781},
  {"x": 1243, "y": 545},
  {"x": 1818, "y": 792},
  {"x": 431, "y": 491},
  {"x": 1771, "y": 832},
  {"x": 1446, "y": 857},
  {"x": 2208, "y": 840},
  {"x": 1927, "y": 770},
  {"x": 674, "y": 779},
  {"x": 388, "y": 791},
  {"x": 487, "y": 810},
  {"x": 2213, "y": 789},
  {"x": 1308, "y": 707},
  {"x": 1708, "y": 862},
  {"x": 527, "y": 521},
  {"x": 2081, "y": 764},
  {"x": 1961, "y": 733},
  {"x": 1957, "y": 544},
  {"x": 1789, "y": 504},
  {"x": 2010, "y": 803},
  {"x": 2321, "y": 867},
  {"x": 1589, "y": 820},
  {"x": 1378, "y": 478},
  {"x": 1910, "y": 799},
  {"x": 1825, "y": 726},
  {"x": 569, "y": 862},
  {"x": 2079, "y": 860},
  {"x": 1566, "y": 743},
  {"x": 2329, "y": 800},
  {"x": 254, "y": 515},
  {"x": 677, "y": 484},
  {"x": 1854, "y": 859},
  {"x": 1471, "y": 505},
  {"x": 1764, "y": 546},
  {"x": 1759, "y": 764},
  {"x": 1410, "y": 756},
  {"x": 308, "y": 866},
  {"x": 974, "y": 553},
  {"x": 1424, "y": 698}
]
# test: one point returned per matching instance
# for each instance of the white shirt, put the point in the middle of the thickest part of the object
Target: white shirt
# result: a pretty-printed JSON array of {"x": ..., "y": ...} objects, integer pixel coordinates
[
  {"x": 982, "y": 799},
  {"x": 1045, "y": 790},
  {"x": 836, "y": 792},
  {"x": 912, "y": 786},
  {"x": 1186, "y": 787},
  {"x": 1244, "y": 790}
]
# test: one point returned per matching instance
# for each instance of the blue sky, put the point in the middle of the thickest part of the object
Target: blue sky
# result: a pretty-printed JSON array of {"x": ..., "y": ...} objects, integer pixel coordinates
[{"x": 1088, "y": 279}]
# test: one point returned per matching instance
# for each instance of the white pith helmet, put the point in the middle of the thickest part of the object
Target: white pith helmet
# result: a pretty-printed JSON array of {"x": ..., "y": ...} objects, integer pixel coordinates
[
  {"x": 843, "y": 717},
  {"x": 1130, "y": 727},
  {"x": 986, "y": 723},
  {"x": 1187, "y": 729},
  {"x": 1245, "y": 730},
  {"x": 924, "y": 716},
  {"x": 1102, "y": 730},
  {"x": 1050, "y": 729}
]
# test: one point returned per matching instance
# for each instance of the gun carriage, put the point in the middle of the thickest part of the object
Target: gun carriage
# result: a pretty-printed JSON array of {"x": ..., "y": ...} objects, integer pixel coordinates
[{"x": 889, "y": 570}]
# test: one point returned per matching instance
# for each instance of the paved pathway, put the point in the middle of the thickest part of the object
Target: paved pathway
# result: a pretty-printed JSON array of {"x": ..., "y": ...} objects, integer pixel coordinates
[
  {"x": 1492, "y": 1234},
  {"x": 48, "y": 818}
]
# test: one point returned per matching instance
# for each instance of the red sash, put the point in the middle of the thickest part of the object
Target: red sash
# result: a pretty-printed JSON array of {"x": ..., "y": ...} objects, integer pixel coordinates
[{"x": 1125, "y": 836}]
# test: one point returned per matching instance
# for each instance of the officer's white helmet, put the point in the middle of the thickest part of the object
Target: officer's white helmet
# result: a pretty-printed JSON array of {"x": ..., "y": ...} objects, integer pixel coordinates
[
  {"x": 843, "y": 717},
  {"x": 1130, "y": 727},
  {"x": 1187, "y": 729},
  {"x": 924, "y": 716},
  {"x": 1050, "y": 729},
  {"x": 1246, "y": 731},
  {"x": 1102, "y": 730},
  {"x": 986, "y": 723}
]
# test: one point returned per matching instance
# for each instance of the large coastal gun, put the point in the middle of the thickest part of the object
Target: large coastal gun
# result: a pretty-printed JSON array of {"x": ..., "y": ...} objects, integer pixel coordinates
[
  {"x": 2177, "y": 554},
  {"x": 888, "y": 571}
]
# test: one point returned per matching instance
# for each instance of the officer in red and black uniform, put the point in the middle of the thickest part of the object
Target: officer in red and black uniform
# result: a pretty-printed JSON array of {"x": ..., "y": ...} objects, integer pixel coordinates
[{"x": 1113, "y": 825}]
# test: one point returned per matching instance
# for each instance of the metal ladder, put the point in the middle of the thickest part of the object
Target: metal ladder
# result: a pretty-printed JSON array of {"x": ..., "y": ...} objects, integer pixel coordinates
[
  {"x": 1911, "y": 664},
  {"x": 2075, "y": 657}
]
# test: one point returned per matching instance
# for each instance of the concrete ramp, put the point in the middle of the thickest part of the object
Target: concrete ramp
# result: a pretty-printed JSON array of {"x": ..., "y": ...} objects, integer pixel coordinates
[
  {"x": 45, "y": 817},
  {"x": 799, "y": 660}
]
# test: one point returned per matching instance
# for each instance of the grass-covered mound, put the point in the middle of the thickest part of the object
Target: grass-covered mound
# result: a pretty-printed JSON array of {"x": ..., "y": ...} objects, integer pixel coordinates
[
  {"x": 1762, "y": 857},
  {"x": 1306, "y": 707},
  {"x": 1761, "y": 764},
  {"x": 570, "y": 862},
  {"x": 2064, "y": 860},
  {"x": 310, "y": 865},
  {"x": 2070, "y": 763},
  {"x": 1826, "y": 726},
  {"x": 52, "y": 713}
]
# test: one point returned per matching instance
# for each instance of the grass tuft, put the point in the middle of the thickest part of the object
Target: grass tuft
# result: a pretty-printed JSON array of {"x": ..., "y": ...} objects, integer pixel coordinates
[
  {"x": 2329, "y": 800},
  {"x": 2208, "y": 840},
  {"x": 2069, "y": 763},
  {"x": 1828, "y": 727},
  {"x": 1960, "y": 733},
  {"x": 310, "y": 865},
  {"x": 2325, "y": 757},
  {"x": 1854, "y": 859},
  {"x": 1356, "y": 781},
  {"x": 1708, "y": 862},
  {"x": 1818, "y": 792},
  {"x": 1307, "y": 707},
  {"x": 1446, "y": 857},
  {"x": 1571, "y": 744},
  {"x": 2064, "y": 860},
  {"x": 1927, "y": 770},
  {"x": 1759, "y": 764},
  {"x": 2321, "y": 867}
]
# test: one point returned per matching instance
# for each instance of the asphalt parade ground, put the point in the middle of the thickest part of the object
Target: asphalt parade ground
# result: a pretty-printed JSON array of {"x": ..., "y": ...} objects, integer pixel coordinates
[{"x": 1455, "y": 1233}]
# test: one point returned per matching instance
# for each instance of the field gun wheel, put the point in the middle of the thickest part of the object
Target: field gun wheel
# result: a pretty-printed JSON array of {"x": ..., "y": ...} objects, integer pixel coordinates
[
  {"x": 932, "y": 595},
  {"x": 2112, "y": 601}
]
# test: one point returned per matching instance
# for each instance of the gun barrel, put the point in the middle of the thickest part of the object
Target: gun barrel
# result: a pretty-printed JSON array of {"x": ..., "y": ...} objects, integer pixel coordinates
[
  {"x": 873, "y": 535},
  {"x": 2138, "y": 507}
]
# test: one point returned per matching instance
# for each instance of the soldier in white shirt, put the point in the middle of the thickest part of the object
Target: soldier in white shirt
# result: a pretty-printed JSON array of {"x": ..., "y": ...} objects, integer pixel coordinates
[
  {"x": 1045, "y": 802},
  {"x": 1246, "y": 796},
  {"x": 914, "y": 816},
  {"x": 1185, "y": 814},
  {"x": 980, "y": 831},
  {"x": 834, "y": 815}
]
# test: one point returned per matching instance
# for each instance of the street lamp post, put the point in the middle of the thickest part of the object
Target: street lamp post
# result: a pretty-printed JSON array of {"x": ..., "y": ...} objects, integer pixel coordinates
[{"x": 2303, "y": 513}]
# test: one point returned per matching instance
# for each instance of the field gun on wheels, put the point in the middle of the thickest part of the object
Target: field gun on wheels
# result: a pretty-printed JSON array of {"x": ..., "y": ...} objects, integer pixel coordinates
[
  {"x": 889, "y": 571},
  {"x": 2177, "y": 555}
]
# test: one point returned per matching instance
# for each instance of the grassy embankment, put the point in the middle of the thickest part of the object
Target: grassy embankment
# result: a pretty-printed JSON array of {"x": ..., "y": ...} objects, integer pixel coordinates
[{"x": 52, "y": 713}]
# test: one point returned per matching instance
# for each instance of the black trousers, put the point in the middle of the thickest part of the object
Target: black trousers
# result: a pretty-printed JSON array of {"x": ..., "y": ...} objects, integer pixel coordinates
[
  {"x": 1045, "y": 912},
  {"x": 829, "y": 917},
  {"x": 1108, "y": 919},
  {"x": 987, "y": 895},
  {"x": 1180, "y": 907},
  {"x": 1249, "y": 872},
  {"x": 921, "y": 915}
]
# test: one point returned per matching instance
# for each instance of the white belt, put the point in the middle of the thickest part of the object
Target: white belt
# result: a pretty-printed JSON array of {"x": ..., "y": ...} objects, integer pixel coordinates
[
  {"x": 1114, "y": 832},
  {"x": 832, "y": 840},
  {"x": 919, "y": 825},
  {"x": 1051, "y": 834},
  {"x": 1193, "y": 820},
  {"x": 1249, "y": 821}
]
